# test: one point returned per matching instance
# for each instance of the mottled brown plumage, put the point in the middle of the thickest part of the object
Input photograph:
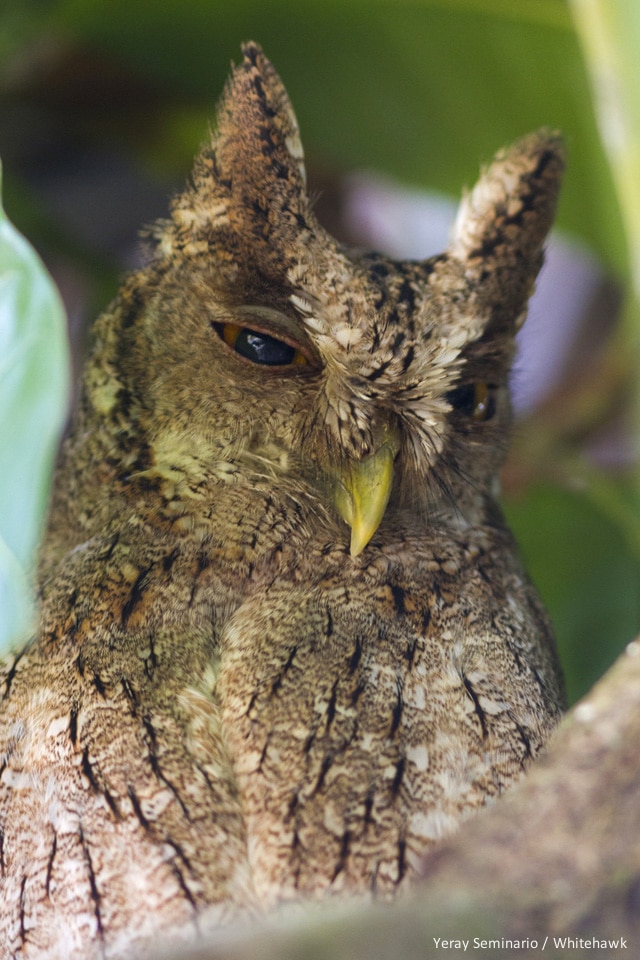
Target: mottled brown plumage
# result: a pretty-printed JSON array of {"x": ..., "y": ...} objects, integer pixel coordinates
[{"x": 235, "y": 699}]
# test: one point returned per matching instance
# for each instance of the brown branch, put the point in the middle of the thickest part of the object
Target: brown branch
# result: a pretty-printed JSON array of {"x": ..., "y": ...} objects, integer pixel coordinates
[{"x": 558, "y": 857}]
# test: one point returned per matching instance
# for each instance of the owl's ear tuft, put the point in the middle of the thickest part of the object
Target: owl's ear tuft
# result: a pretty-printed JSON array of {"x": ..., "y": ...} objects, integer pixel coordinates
[
  {"x": 247, "y": 198},
  {"x": 507, "y": 215},
  {"x": 258, "y": 136}
]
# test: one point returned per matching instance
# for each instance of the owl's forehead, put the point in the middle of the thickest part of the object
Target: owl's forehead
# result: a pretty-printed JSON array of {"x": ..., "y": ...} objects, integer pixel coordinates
[{"x": 381, "y": 312}]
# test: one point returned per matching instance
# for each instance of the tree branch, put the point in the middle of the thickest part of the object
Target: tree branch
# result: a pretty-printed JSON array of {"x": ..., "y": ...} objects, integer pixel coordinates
[{"x": 558, "y": 857}]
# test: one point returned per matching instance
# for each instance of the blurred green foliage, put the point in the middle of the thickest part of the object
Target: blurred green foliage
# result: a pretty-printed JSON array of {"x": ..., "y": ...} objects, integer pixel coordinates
[
  {"x": 588, "y": 572},
  {"x": 421, "y": 89},
  {"x": 424, "y": 90}
]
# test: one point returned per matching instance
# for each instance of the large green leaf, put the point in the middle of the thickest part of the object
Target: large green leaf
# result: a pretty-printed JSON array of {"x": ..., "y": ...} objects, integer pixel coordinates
[{"x": 33, "y": 394}]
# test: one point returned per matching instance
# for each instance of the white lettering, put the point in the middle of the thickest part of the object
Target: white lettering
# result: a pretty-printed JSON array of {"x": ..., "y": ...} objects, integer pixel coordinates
[{"x": 588, "y": 943}]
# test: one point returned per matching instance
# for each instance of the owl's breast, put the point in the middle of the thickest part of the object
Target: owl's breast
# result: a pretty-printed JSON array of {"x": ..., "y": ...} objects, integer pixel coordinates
[{"x": 370, "y": 704}]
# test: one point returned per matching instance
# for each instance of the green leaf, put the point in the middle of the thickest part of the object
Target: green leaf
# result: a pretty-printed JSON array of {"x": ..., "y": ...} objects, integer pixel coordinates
[
  {"x": 610, "y": 32},
  {"x": 33, "y": 399},
  {"x": 585, "y": 560}
]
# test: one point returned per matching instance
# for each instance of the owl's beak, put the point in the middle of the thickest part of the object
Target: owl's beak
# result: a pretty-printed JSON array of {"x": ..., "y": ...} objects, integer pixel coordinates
[{"x": 363, "y": 490}]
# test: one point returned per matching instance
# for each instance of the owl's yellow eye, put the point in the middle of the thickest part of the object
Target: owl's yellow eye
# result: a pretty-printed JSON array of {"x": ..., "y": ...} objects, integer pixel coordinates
[
  {"x": 475, "y": 400},
  {"x": 259, "y": 347}
]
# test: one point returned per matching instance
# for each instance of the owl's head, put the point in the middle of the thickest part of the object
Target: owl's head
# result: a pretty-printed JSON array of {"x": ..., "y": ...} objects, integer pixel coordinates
[{"x": 256, "y": 349}]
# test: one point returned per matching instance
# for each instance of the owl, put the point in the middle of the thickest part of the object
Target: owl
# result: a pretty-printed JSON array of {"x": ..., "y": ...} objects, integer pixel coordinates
[{"x": 286, "y": 643}]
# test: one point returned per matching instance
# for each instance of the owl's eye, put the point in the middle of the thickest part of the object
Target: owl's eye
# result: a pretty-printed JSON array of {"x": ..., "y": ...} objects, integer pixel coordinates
[
  {"x": 259, "y": 347},
  {"x": 475, "y": 400}
]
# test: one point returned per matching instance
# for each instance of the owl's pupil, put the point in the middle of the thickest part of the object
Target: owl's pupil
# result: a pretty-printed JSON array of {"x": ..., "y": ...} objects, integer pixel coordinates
[
  {"x": 259, "y": 347},
  {"x": 262, "y": 348},
  {"x": 474, "y": 400}
]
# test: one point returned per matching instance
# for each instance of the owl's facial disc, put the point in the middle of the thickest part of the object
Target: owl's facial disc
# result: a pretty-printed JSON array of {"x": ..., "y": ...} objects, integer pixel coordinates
[{"x": 363, "y": 487}]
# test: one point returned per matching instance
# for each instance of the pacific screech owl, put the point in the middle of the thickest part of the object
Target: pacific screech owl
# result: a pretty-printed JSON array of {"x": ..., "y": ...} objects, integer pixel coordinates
[{"x": 286, "y": 642}]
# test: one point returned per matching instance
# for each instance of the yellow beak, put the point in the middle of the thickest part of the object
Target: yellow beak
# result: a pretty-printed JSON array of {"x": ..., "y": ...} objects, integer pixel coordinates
[{"x": 363, "y": 488}]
